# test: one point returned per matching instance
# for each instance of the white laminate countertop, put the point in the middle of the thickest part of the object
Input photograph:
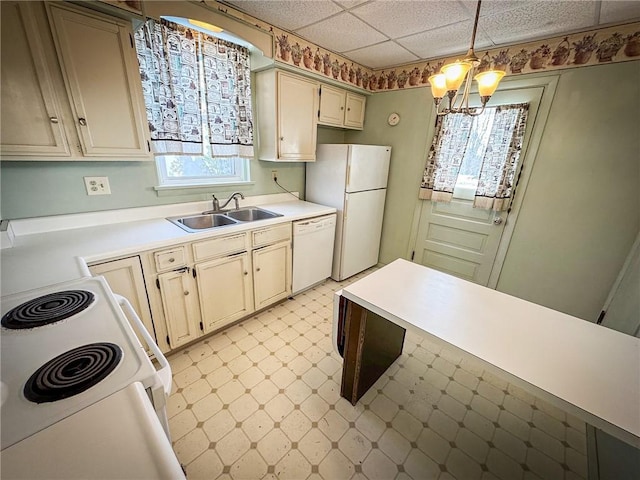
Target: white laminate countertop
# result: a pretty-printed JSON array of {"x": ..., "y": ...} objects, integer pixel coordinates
[
  {"x": 45, "y": 258},
  {"x": 592, "y": 370}
]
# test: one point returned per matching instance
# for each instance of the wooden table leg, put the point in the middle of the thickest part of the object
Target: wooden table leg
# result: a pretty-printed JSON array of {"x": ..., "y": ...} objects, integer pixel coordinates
[{"x": 372, "y": 344}]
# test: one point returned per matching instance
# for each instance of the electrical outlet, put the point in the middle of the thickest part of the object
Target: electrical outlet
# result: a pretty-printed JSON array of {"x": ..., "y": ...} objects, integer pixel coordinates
[
  {"x": 274, "y": 174},
  {"x": 97, "y": 185}
]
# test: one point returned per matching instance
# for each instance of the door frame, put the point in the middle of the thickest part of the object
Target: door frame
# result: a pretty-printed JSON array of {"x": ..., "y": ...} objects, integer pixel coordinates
[{"x": 548, "y": 84}]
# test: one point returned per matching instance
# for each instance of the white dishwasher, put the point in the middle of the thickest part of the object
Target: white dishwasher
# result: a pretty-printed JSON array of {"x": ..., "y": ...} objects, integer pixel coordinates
[{"x": 313, "y": 241}]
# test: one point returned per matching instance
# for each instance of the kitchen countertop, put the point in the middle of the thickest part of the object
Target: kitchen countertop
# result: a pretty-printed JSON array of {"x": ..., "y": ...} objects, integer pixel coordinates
[
  {"x": 588, "y": 370},
  {"x": 39, "y": 258}
]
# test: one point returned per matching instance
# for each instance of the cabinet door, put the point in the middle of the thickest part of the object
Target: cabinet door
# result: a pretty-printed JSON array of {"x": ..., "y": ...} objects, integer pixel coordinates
[
  {"x": 225, "y": 290},
  {"x": 100, "y": 70},
  {"x": 332, "y": 101},
  {"x": 30, "y": 105},
  {"x": 180, "y": 303},
  {"x": 272, "y": 274},
  {"x": 354, "y": 115},
  {"x": 125, "y": 278},
  {"x": 297, "y": 117}
]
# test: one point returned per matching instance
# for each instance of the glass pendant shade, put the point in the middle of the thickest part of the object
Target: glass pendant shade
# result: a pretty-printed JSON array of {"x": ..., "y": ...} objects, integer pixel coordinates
[
  {"x": 455, "y": 74},
  {"x": 438, "y": 85},
  {"x": 488, "y": 82}
]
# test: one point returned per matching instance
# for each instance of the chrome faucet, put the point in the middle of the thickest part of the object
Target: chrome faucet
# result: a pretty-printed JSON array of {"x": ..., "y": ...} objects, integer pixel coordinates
[
  {"x": 216, "y": 204},
  {"x": 234, "y": 196}
]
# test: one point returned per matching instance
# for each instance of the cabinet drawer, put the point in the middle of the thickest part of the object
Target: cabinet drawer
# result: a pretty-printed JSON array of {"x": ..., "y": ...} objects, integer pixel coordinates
[
  {"x": 270, "y": 235},
  {"x": 170, "y": 259},
  {"x": 220, "y": 246}
]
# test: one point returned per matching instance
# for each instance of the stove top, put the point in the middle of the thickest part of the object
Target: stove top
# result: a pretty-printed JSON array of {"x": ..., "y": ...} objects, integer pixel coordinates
[
  {"x": 38, "y": 362},
  {"x": 73, "y": 372},
  {"x": 47, "y": 309}
]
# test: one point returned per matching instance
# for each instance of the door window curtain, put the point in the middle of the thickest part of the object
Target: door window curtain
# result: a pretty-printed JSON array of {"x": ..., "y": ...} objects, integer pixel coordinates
[
  {"x": 445, "y": 157},
  {"x": 500, "y": 155},
  {"x": 500, "y": 162},
  {"x": 172, "y": 59}
]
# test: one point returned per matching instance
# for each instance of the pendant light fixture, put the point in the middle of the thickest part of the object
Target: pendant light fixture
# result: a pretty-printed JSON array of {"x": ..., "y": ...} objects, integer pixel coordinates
[{"x": 452, "y": 76}]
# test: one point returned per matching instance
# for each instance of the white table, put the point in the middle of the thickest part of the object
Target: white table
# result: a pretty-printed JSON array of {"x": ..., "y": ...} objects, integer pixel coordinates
[{"x": 587, "y": 370}]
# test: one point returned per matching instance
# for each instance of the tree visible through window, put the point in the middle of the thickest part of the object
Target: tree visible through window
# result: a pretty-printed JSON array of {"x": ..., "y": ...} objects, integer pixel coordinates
[{"x": 198, "y": 98}]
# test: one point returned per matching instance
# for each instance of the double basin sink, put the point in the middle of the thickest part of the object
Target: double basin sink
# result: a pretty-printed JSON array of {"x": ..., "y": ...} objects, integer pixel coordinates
[{"x": 207, "y": 220}]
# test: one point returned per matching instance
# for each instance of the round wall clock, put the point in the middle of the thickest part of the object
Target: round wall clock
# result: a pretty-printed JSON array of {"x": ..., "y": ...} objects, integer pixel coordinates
[{"x": 393, "y": 119}]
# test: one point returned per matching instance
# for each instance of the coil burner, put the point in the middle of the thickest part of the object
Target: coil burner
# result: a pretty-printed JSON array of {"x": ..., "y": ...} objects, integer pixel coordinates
[
  {"x": 47, "y": 309},
  {"x": 73, "y": 372}
]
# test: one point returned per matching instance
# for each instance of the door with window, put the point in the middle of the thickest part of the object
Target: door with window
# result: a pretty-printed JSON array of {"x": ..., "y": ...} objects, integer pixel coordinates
[{"x": 457, "y": 238}]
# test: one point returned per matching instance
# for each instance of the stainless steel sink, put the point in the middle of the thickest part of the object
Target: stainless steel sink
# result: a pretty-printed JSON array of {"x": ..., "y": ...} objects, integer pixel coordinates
[
  {"x": 251, "y": 214},
  {"x": 202, "y": 222},
  {"x": 195, "y": 223}
]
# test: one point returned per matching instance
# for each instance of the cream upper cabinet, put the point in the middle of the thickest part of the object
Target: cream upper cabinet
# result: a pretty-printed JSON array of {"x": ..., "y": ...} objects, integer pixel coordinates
[
  {"x": 70, "y": 86},
  {"x": 98, "y": 62},
  {"x": 332, "y": 102},
  {"x": 31, "y": 113},
  {"x": 287, "y": 113},
  {"x": 340, "y": 108},
  {"x": 354, "y": 111}
]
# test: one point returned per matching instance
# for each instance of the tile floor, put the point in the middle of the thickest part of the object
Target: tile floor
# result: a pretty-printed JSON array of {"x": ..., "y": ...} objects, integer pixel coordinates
[{"x": 262, "y": 400}]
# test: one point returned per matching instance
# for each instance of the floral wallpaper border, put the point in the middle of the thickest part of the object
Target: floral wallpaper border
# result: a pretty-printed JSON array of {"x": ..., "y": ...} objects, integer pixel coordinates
[
  {"x": 608, "y": 45},
  {"x": 620, "y": 43}
]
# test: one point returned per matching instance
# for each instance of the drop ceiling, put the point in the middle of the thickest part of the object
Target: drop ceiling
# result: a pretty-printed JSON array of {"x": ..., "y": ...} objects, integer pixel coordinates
[{"x": 385, "y": 33}]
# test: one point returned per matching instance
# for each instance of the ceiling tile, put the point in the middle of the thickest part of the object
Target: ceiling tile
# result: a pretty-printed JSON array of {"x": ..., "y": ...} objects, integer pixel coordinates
[
  {"x": 287, "y": 14},
  {"x": 403, "y": 18},
  {"x": 492, "y": 7},
  {"x": 381, "y": 55},
  {"x": 341, "y": 33},
  {"x": 350, "y": 3},
  {"x": 544, "y": 18},
  {"x": 450, "y": 40},
  {"x": 612, "y": 11}
]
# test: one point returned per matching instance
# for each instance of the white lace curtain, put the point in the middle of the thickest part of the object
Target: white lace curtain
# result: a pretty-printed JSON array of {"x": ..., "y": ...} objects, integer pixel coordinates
[
  {"x": 172, "y": 58},
  {"x": 500, "y": 155}
]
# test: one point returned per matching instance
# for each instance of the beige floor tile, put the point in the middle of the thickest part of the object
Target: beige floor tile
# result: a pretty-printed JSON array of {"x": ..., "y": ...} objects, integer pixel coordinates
[
  {"x": 205, "y": 467},
  {"x": 249, "y": 466},
  {"x": 262, "y": 400},
  {"x": 377, "y": 466},
  {"x": 274, "y": 446}
]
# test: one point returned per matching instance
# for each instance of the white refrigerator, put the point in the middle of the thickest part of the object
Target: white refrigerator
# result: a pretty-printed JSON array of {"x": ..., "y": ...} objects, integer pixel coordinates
[{"x": 352, "y": 179}]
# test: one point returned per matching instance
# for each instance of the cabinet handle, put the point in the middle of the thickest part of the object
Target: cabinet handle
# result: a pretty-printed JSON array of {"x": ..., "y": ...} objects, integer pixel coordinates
[
  {"x": 246, "y": 273},
  {"x": 171, "y": 260},
  {"x": 186, "y": 292},
  {"x": 258, "y": 269},
  {"x": 53, "y": 119},
  {"x": 341, "y": 108},
  {"x": 82, "y": 121},
  {"x": 349, "y": 109},
  {"x": 281, "y": 139}
]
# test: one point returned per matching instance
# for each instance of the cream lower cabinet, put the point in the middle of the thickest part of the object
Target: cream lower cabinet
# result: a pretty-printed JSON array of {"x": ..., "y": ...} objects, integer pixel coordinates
[
  {"x": 202, "y": 287},
  {"x": 179, "y": 294},
  {"x": 125, "y": 278},
  {"x": 225, "y": 289},
  {"x": 271, "y": 274}
]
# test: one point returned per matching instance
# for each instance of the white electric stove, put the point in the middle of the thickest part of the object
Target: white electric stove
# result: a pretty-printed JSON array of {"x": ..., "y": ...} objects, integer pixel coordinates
[{"x": 67, "y": 347}]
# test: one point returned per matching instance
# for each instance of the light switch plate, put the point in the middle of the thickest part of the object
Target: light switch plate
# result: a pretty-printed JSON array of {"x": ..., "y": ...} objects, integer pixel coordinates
[{"x": 97, "y": 185}]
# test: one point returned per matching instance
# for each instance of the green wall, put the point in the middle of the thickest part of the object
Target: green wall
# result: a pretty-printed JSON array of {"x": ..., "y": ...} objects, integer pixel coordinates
[
  {"x": 580, "y": 214},
  {"x": 33, "y": 189}
]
